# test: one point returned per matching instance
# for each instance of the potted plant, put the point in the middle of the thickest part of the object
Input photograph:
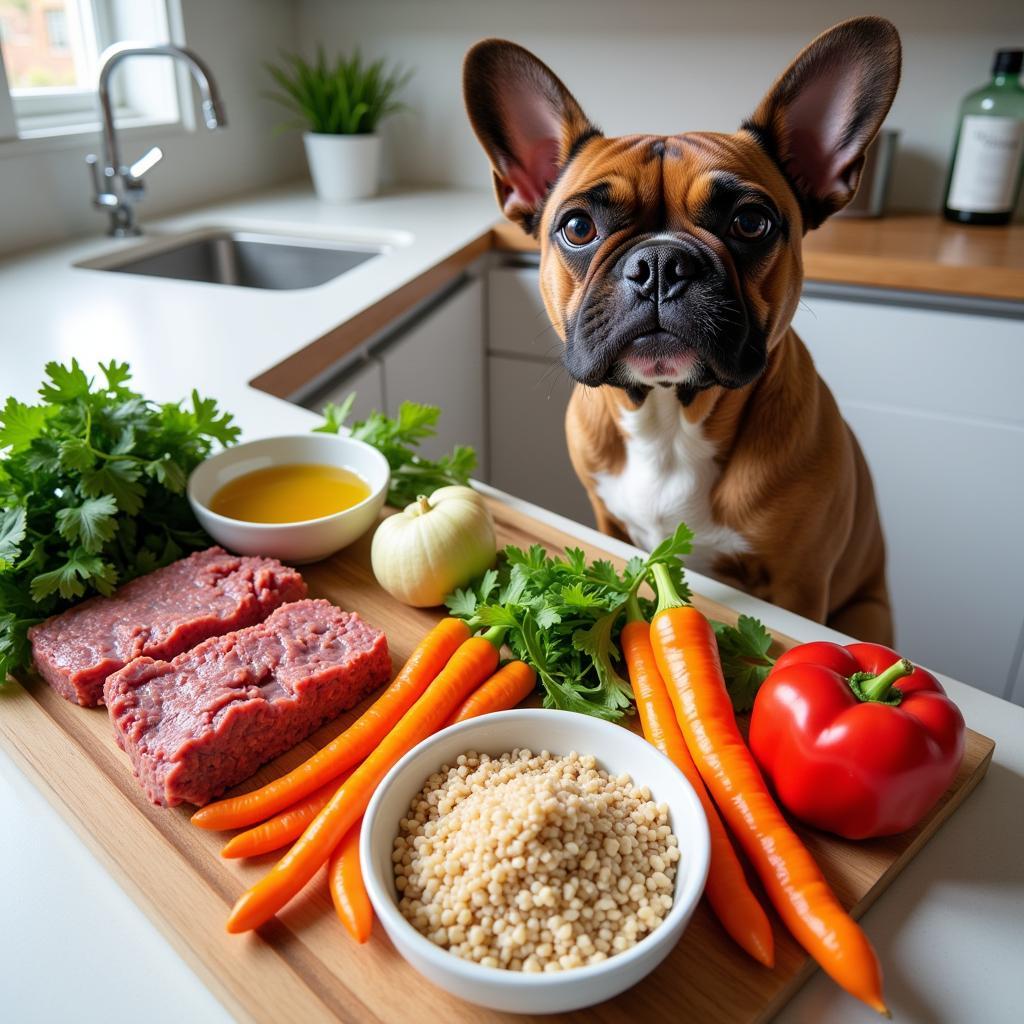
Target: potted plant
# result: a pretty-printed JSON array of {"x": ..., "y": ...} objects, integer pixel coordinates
[{"x": 340, "y": 105}]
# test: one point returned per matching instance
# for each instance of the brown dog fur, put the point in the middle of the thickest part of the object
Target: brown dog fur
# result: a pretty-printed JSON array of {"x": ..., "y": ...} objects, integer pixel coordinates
[{"x": 793, "y": 482}]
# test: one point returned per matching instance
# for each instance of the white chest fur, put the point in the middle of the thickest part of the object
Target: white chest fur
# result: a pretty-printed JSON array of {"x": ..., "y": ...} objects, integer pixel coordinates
[{"x": 667, "y": 479}]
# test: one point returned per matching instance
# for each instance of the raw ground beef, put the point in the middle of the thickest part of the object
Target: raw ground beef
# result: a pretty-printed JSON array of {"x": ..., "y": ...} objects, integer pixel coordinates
[
  {"x": 158, "y": 615},
  {"x": 195, "y": 726}
]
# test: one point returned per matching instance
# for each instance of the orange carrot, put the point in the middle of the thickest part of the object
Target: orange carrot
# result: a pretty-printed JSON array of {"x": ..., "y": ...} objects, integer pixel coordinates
[
  {"x": 471, "y": 664},
  {"x": 504, "y": 690},
  {"x": 727, "y": 890},
  {"x": 352, "y": 746},
  {"x": 687, "y": 655},
  {"x": 345, "y": 879},
  {"x": 283, "y": 828}
]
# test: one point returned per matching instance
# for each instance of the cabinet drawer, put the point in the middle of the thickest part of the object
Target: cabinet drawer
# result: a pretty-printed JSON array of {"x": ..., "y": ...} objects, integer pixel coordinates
[
  {"x": 529, "y": 457},
  {"x": 365, "y": 378},
  {"x": 517, "y": 321},
  {"x": 933, "y": 361},
  {"x": 950, "y": 492}
]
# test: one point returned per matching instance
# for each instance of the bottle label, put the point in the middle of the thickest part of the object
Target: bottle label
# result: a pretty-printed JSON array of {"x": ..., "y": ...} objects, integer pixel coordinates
[{"x": 986, "y": 165}]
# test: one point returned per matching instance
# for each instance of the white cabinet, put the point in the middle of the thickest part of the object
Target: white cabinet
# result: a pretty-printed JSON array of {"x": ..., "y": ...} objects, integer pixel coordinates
[
  {"x": 528, "y": 391},
  {"x": 365, "y": 378},
  {"x": 934, "y": 399},
  {"x": 529, "y": 457},
  {"x": 439, "y": 360}
]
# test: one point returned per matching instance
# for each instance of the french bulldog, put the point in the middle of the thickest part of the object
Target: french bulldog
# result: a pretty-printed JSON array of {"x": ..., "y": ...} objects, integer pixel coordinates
[{"x": 670, "y": 266}]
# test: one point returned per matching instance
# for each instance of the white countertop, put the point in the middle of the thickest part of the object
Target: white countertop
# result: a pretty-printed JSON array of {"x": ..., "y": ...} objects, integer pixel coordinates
[{"x": 73, "y": 945}]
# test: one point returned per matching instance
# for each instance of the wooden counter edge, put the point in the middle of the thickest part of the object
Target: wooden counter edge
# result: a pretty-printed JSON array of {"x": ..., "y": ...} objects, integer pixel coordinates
[
  {"x": 987, "y": 281},
  {"x": 876, "y": 269}
]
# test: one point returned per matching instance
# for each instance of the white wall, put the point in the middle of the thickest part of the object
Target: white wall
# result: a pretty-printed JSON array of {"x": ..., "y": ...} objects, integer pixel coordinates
[
  {"x": 44, "y": 188},
  {"x": 663, "y": 66}
]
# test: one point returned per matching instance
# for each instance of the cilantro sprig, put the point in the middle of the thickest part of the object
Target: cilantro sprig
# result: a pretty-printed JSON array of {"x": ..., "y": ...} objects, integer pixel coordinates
[
  {"x": 564, "y": 615},
  {"x": 397, "y": 440},
  {"x": 743, "y": 650},
  {"x": 92, "y": 490}
]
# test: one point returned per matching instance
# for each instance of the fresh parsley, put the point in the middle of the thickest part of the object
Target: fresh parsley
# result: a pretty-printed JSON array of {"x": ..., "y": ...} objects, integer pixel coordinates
[
  {"x": 397, "y": 440},
  {"x": 92, "y": 490},
  {"x": 743, "y": 650},
  {"x": 564, "y": 615}
]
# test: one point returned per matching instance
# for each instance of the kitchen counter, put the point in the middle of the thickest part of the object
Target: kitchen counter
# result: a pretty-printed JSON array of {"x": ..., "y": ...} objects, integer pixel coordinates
[
  {"x": 911, "y": 252},
  {"x": 949, "y": 927}
]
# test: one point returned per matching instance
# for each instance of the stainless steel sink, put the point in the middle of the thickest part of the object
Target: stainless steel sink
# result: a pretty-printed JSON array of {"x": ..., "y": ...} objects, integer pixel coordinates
[{"x": 247, "y": 259}]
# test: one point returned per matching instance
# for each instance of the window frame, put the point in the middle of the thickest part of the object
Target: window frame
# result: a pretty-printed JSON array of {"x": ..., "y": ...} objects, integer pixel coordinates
[{"x": 39, "y": 115}]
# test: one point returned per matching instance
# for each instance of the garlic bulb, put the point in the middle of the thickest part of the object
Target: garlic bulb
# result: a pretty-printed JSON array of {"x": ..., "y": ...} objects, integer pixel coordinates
[{"x": 420, "y": 555}]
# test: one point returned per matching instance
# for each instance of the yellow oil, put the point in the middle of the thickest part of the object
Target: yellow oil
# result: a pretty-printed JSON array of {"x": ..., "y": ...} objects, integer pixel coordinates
[{"x": 290, "y": 493}]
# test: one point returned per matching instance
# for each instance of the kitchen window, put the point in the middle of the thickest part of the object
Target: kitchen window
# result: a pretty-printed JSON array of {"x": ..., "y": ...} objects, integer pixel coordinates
[{"x": 49, "y": 62}]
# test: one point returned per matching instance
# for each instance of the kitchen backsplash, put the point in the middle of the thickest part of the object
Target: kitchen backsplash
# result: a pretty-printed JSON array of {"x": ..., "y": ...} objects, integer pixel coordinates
[{"x": 663, "y": 66}]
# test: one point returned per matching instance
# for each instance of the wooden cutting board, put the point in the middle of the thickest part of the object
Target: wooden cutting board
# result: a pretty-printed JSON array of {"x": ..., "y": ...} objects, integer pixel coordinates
[{"x": 303, "y": 967}]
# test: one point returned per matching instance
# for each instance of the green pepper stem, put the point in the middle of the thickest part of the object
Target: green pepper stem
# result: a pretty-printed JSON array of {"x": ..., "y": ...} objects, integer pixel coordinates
[
  {"x": 496, "y": 635},
  {"x": 633, "y": 612},
  {"x": 878, "y": 687},
  {"x": 668, "y": 596}
]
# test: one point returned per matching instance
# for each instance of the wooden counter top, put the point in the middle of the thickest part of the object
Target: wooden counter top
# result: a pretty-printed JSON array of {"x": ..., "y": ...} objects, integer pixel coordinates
[{"x": 916, "y": 252}]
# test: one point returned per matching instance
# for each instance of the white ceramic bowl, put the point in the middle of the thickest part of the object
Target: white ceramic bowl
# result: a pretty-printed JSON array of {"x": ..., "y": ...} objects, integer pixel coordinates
[
  {"x": 617, "y": 750},
  {"x": 310, "y": 539}
]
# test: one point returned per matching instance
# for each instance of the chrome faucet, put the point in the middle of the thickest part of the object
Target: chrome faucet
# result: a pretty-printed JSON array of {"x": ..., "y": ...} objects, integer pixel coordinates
[{"x": 117, "y": 186}]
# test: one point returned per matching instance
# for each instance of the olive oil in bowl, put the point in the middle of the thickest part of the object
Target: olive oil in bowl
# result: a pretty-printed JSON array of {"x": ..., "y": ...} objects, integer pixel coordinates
[{"x": 290, "y": 493}]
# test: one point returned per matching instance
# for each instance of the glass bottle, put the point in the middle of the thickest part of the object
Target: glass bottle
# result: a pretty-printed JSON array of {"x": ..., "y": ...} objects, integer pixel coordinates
[{"x": 988, "y": 155}]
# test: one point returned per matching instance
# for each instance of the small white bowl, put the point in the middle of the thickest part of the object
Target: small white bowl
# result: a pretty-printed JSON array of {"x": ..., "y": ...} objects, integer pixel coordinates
[
  {"x": 308, "y": 540},
  {"x": 617, "y": 750}
]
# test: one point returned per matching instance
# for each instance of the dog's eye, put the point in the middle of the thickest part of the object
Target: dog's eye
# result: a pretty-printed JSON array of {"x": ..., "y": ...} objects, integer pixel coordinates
[
  {"x": 751, "y": 224},
  {"x": 579, "y": 229}
]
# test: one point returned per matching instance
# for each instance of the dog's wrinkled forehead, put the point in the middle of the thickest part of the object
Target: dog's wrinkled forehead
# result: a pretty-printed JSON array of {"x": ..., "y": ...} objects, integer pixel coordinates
[{"x": 669, "y": 183}]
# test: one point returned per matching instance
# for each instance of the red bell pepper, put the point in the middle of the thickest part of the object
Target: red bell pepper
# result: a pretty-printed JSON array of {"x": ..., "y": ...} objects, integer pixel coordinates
[{"x": 855, "y": 739}]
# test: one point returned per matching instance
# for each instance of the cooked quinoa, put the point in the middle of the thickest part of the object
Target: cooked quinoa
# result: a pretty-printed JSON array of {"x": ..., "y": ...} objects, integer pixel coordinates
[{"x": 534, "y": 862}]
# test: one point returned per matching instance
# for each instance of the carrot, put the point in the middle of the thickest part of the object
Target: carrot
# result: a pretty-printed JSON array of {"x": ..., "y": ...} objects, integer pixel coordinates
[
  {"x": 345, "y": 879},
  {"x": 352, "y": 746},
  {"x": 504, "y": 690},
  {"x": 469, "y": 666},
  {"x": 687, "y": 655},
  {"x": 283, "y": 828},
  {"x": 727, "y": 890}
]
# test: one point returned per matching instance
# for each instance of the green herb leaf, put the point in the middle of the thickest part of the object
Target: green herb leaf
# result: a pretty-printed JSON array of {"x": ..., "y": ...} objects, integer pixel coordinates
[
  {"x": 335, "y": 415},
  {"x": 119, "y": 478},
  {"x": 69, "y": 579},
  {"x": 66, "y": 383},
  {"x": 461, "y": 603},
  {"x": 76, "y": 454},
  {"x": 743, "y": 650},
  {"x": 211, "y": 422},
  {"x": 92, "y": 487},
  {"x": 92, "y": 523},
  {"x": 12, "y": 533},
  {"x": 169, "y": 473},
  {"x": 397, "y": 440},
  {"x": 118, "y": 375},
  {"x": 21, "y": 424}
]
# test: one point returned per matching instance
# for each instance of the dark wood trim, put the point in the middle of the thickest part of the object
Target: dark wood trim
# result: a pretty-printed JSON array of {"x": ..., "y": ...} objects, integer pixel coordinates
[{"x": 287, "y": 377}]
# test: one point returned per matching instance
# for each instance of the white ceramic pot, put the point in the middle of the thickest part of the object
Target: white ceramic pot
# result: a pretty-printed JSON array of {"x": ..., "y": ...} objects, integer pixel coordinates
[{"x": 343, "y": 167}]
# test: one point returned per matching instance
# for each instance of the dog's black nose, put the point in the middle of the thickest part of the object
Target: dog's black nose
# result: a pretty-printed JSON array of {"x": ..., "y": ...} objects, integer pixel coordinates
[{"x": 662, "y": 272}]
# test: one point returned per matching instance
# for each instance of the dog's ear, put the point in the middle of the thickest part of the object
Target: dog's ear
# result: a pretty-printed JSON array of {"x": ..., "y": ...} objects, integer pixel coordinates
[
  {"x": 826, "y": 107},
  {"x": 526, "y": 120}
]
